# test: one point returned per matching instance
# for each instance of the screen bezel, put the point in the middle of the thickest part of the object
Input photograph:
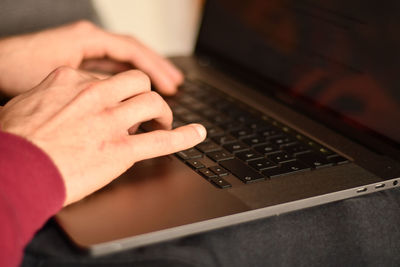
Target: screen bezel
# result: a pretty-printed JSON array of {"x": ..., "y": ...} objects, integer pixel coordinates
[{"x": 349, "y": 128}]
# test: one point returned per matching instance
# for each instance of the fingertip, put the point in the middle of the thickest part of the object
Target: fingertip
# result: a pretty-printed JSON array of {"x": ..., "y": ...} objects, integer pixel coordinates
[
  {"x": 168, "y": 89},
  {"x": 201, "y": 131},
  {"x": 175, "y": 72},
  {"x": 179, "y": 77}
]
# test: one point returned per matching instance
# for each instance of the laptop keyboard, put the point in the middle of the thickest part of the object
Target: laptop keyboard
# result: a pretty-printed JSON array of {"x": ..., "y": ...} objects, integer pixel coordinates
[{"x": 240, "y": 141}]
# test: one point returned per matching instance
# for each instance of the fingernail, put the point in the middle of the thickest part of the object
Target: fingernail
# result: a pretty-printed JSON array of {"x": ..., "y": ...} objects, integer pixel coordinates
[{"x": 200, "y": 130}]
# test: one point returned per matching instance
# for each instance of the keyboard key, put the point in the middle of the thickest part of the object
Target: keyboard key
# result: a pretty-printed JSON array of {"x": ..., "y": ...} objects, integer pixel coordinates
[
  {"x": 195, "y": 163},
  {"x": 255, "y": 140},
  {"x": 215, "y": 131},
  {"x": 206, "y": 173},
  {"x": 295, "y": 166},
  {"x": 277, "y": 124},
  {"x": 208, "y": 147},
  {"x": 267, "y": 149},
  {"x": 179, "y": 110},
  {"x": 314, "y": 160},
  {"x": 245, "y": 118},
  {"x": 191, "y": 153},
  {"x": 249, "y": 155},
  {"x": 280, "y": 157},
  {"x": 220, "y": 155},
  {"x": 271, "y": 132},
  {"x": 231, "y": 126},
  {"x": 219, "y": 170},
  {"x": 242, "y": 171},
  {"x": 190, "y": 117},
  {"x": 326, "y": 152},
  {"x": 262, "y": 164},
  {"x": 188, "y": 87},
  {"x": 259, "y": 125},
  {"x": 220, "y": 118},
  {"x": 301, "y": 138},
  {"x": 242, "y": 133},
  {"x": 236, "y": 147},
  {"x": 282, "y": 140},
  {"x": 337, "y": 159},
  {"x": 186, "y": 100},
  {"x": 200, "y": 94},
  {"x": 287, "y": 129},
  {"x": 206, "y": 124},
  {"x": 198, "y": 106},
  {"x": 311, "y": 143},
  {"x": 236, "y": 112},
  {"x": 209, "y": 113},
  {"x": 221, "y": 183},
  {"x": 224, "y": 139},
  {"x": 296, "y": 149},
  {"x": 223, "y": 104},
  {"x": 213, "y": 100},
  {"x": 314, "y": 145},
  {"x": 286, "y": 168}
]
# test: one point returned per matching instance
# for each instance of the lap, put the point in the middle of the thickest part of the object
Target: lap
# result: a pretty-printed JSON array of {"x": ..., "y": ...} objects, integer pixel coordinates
[{"x": 360, "y": 231}]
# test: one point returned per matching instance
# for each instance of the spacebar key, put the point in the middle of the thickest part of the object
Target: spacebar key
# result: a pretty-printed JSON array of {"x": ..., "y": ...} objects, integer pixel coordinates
[{"x": 241, "y": 170}]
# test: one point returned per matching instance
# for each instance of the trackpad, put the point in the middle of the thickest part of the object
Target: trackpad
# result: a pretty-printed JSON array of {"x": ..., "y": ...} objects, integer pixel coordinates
[{"x": 153, "y": 195}]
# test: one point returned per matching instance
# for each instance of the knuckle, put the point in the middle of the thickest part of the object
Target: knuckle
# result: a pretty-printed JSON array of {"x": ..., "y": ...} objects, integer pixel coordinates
[
  {"x": 90, "y": 92},
  {"x": 83, "y": 26},
  {"x": 154, "y": 96},
  {"x": 110, "y": 113},
  {"x": 156, "y": 101},
  {"x": 143, "y": 78},
  {"x": 63, "y": 73}
]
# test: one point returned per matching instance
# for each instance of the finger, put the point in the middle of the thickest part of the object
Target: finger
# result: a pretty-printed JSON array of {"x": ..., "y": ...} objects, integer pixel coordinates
[
  {"x": 163, "y": 142},
  {"x": 118, "y": 48},
  {"x": 103, "y": 65},
  {"x": 123, "y": 85},
  {"x": 173, "y": 71},
  {"x": 145, "y": 61},
  {"x": 148, "y": 106}
]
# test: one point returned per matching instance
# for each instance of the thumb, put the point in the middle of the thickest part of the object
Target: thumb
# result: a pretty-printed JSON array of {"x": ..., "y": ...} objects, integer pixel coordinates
[{"x": 164, "y": 142}]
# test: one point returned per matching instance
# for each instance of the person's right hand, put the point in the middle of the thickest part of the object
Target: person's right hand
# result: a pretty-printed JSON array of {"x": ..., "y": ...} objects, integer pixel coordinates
[
  {"x": 25, "y": 60},
  {"x": 82, "y": 123}
]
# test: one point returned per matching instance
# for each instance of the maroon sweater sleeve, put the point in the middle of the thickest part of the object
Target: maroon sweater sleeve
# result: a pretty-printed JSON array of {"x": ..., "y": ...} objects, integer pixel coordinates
[{"x": 31, "y": 191}]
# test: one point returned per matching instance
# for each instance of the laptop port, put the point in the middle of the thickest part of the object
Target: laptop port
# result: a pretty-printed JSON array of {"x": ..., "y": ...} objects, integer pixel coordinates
[
  {"x": 361, "y": 190},
  {"x": 378, "y": 186},
  {"x": 395, "y": 182}
]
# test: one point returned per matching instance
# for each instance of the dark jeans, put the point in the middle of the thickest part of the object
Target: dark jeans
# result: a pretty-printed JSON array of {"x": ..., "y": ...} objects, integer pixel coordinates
[{"x": 362, "y": 231}]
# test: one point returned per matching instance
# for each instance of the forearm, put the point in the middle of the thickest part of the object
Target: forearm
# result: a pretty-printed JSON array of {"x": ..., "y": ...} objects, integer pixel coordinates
[{"x": 31, "y": 191}]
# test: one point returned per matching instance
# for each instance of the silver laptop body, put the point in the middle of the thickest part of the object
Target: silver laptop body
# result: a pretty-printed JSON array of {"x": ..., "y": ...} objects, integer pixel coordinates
[{"x": 280, "y": 63}]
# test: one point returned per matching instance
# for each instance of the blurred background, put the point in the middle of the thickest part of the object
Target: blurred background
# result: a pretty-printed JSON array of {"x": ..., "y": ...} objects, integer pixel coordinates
[{"x": 168, "y": 26}]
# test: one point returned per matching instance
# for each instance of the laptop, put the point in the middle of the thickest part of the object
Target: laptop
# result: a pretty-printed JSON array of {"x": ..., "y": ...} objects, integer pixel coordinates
[{"x": 301, "y": 102}]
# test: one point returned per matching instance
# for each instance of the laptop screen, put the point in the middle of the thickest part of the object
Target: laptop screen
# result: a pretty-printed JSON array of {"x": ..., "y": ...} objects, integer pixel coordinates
[{"x": 343, "y": 55}]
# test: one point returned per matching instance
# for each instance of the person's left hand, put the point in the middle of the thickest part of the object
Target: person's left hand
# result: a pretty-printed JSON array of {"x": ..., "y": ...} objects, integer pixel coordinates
[{"x": 27, "y": 59}]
